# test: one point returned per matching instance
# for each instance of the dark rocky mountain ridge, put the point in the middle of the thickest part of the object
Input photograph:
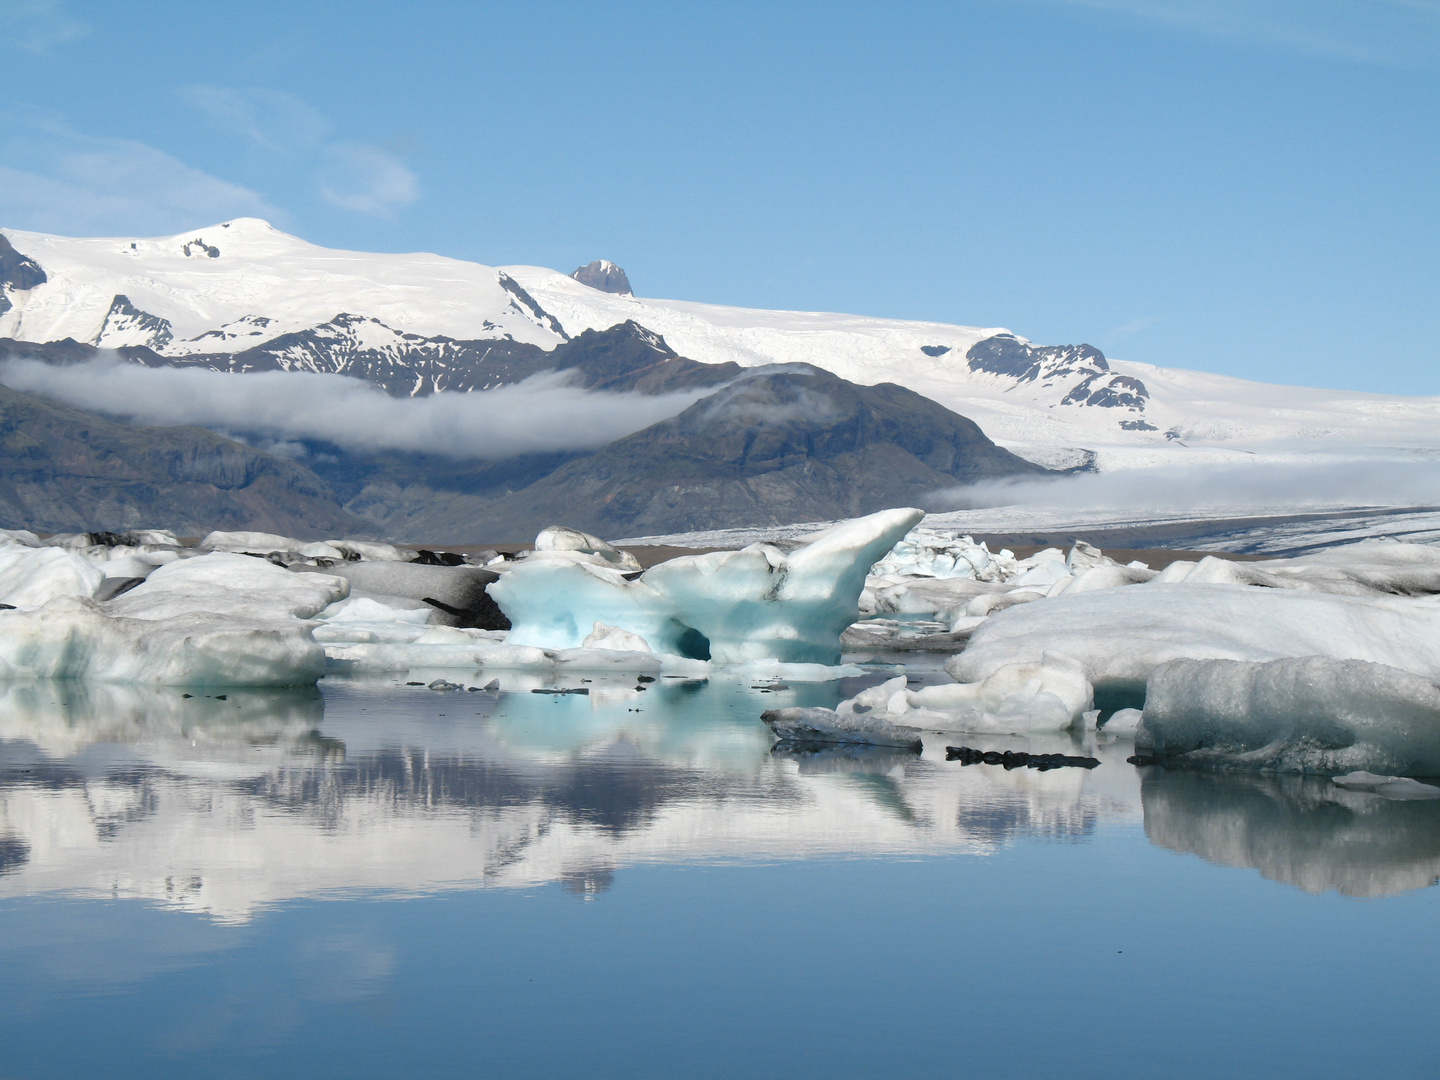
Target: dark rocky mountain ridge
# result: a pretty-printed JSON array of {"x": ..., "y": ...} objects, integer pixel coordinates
[
  {"x": 1006, "y": 355},
  {"x": 782, "y": 444},
  {"x": 64, "y": 469},
  {"x": 776, "y": 444}
]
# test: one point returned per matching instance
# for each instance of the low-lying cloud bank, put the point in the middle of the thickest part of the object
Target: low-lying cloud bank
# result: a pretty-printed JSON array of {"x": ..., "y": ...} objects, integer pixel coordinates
[
  {"x": 1281, "y": 478},
  {"x": 541, "y": 414}
]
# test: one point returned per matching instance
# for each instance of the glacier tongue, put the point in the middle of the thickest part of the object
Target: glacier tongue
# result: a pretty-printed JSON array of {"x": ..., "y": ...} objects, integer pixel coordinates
[{"x": 734, "y": 606}]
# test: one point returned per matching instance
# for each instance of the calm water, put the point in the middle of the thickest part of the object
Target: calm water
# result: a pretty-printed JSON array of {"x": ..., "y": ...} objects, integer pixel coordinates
[{"x": 394, "y": 882}]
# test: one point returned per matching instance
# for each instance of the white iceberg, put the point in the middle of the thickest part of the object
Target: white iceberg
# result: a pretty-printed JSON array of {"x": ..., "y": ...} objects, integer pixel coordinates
[
  {"x": 1304, "y": 714},
  {"x": 215, "y": 620},
  {"x": 1122, "y": 635},
  {"x": 31, "y": 576}
]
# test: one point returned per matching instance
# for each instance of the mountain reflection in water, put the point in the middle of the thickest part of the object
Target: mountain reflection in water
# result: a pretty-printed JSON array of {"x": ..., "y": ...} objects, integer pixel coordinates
[{"x": 225, "y": 804}]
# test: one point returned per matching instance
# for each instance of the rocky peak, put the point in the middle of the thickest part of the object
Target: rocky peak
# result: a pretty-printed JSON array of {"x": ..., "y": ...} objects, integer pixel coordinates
[
  {"x": 1083, "y": 367},
  {"x": 17, "y": 273},
  {"x": 604, "y": 275}
]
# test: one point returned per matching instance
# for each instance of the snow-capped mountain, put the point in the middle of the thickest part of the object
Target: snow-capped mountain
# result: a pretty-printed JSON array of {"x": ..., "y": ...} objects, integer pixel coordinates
[{"x": 242, "y": 296}]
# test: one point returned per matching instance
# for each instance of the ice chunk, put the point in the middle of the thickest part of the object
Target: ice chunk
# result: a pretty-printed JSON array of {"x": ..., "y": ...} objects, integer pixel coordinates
[
  {"x": 30, "y": 576},
  {"x": 1305, "y": 714},
  {"x": 1019, "y": 699},
  {"x": 236, "y": 586},
  {"x": 560, "y": 538},
  {"x": 456, "y": 594},
  {"x": 731, "y": 606},
  {"x": 1399, "y": 788},
  {"x": 1122, "y": 635},
  {"x": 257, "y": 543},
  {"x": 928, "y": 553},
  {"x": 1110, "y": 576},
  {"x": 918, "y": 596},
  {"x": 23, "y": 537},
  {"x": 826, "y": 726},
  {"x": 214, "y": 620},
  {"x": 1123, "y": 723},
  {"x": 612, "y": 637},
  {"x": 365, "y": 609},
  {"x": 262, "y": 543},
  {"x": 75, "y": 638}
]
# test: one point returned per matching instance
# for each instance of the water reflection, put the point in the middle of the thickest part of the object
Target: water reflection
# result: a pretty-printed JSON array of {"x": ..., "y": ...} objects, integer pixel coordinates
[
  {"x": 222, "y": 804},
  {"x": 1303, "y": 831}
]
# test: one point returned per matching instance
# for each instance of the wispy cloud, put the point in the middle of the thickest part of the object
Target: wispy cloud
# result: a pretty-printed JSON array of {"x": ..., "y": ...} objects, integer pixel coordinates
[
  {"x": 354, "y": 176},
  {"x": 39, "y": 26},
  {"x": 1388, "y": 33},
  {"x": 271, "y": 119},
  {"x": 55, "y": 179},
  {"x": 1127, "y": 330},
  {"x": 543, "y": 413},
  {"x": 367, "y": 180}
]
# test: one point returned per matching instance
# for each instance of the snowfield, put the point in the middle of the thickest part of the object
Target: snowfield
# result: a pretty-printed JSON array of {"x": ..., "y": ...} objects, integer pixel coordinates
[{"x": 227, "y": 287}]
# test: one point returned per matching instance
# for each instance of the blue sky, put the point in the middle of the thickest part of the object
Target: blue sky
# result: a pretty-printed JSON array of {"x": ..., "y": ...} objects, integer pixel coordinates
[{"x": 1249, "y": 187}]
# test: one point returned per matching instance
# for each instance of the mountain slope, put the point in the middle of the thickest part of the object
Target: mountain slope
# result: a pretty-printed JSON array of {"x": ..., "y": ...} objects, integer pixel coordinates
[
  {"x": 783, "y": 444},
  {"x": 417, "y": 323},
  {"x": 63, "y": 469}
]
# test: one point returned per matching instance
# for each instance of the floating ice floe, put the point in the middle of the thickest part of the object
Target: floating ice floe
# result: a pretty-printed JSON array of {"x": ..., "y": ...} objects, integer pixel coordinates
[
  {"x": 1399, "y": 788},
  {"x": 825, "y": 726},
  {"x": 1304, "y": 714},
  {"x": 215, "y": 620},
  {"x": 730, "y": 607},
  {"x": 1123, "y": 723},
  {"x": 1019, "y": 699},
  {"x": 1121, "y": 635}
]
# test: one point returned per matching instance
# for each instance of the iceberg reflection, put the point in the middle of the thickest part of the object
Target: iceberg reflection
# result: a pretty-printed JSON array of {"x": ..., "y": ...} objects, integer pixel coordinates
[
  {"x": 1303, "y": 831},
  {"x": 224, "y": 804}
]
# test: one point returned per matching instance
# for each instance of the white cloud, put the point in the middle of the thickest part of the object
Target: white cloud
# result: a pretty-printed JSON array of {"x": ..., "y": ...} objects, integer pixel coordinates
[
  {"x": 1355, "y": 476},
  {"x": 1389, "y": 33},
  {"x": 541, "y": 414},
  {"x": 272, "y": 119},
  {"x": 38, "y": 26},
  {"x": 367, "y": 180},
  {"x": 354, "y": 176},
  {"x": 1127, "y": 330},
  {"x": 57, "y": 180}
]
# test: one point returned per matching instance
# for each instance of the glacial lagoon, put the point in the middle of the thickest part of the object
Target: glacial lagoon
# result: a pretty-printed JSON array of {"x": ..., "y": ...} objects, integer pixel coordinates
[{"x": 373, "y": 879}]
